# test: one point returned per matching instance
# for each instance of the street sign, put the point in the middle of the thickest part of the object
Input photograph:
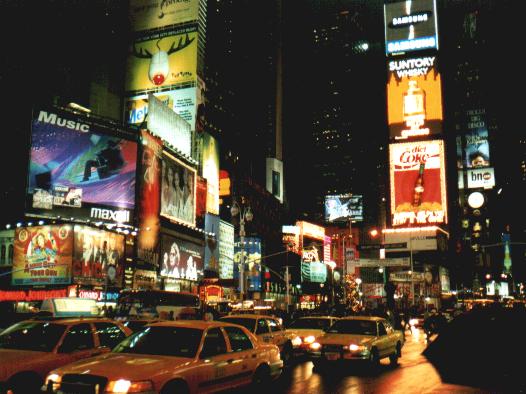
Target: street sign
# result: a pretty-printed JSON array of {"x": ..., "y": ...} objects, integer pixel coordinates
[
  {"x": 392, "y": 262},
  {"x": 398, "y": 245}
]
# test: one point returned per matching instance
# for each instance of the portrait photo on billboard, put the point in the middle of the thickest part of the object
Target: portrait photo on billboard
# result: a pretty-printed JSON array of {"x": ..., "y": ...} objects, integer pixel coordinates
[
  {"x": 418, "y": 187},
  {"x": 178, "y": 190},
  {"x": 76, "y": 167},
  {"x": 42, "y": 255},
  {"x": 476, "y": 152},
  {"x": 210, "y": 149},
  {"x": 341, "y": 208},
  {"x": 252, "y": 261},
  {"x": 181, "y": 259},
  {"x": 414, "y": 97},
  {"x": 410, "y": 26},
  {"x": 98, "y": 257},
  {"x": 149, "y": 202},
  {"x": 162, "y": 59}
]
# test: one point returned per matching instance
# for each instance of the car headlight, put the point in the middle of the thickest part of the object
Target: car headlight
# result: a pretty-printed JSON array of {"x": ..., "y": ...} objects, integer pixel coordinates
[
  {"x": 296, "y": 341},
  {"x": 126, "y": 386},
  {"x": 413, "y": 322},
  {"x": 53, "y": 379},
  {"x": 310, "y": 339},
  {"x": 356, "y": 348},
  {"x": 315, "y": 346}
]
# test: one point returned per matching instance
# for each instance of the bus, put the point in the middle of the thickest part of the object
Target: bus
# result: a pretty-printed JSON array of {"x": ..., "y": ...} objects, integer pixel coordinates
[{"x": 157, "y": 304}]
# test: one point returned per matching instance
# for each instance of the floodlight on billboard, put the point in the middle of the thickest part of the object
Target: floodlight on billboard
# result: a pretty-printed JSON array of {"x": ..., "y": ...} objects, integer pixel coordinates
[
  {"x": 341, "y": 208},
  {"x": 80, "y": 169},
  {"x": 410, "y": 26},
  {"x": 414, "y": 97},
  {"x": 418, "y": 187}
]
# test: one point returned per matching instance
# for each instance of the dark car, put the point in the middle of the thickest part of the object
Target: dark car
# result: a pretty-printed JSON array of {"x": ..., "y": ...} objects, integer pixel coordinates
[{"x": 482, "y": 348}]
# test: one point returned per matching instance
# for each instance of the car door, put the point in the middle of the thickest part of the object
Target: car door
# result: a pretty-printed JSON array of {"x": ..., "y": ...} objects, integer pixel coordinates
[
  {"x": 78, "y": 342},
  {"x": 382, "y": 343},
  {"x": 217, "y": 368},
  {"x": 393, "y": 336},
  {"x": 263, "y": 331},
  {"x": 243, "y": 353},
  {"x": 277, "y": 333}
]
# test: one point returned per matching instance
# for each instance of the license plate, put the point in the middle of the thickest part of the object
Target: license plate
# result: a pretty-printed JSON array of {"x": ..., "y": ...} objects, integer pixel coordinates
[{"x": 332, "y": 356}]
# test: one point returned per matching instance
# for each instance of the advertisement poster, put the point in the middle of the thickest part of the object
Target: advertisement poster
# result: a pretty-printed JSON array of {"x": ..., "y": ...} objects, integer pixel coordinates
[
  {"x": 341, "y": 208},
  {"x": 182, "y": 101},
  {"x": 162, "y": 59},
  {"x": 211, "y": 172},
  {"x": 226, "y": 250},
  {"x": 252, "y": 260},
  {"x": 98, "y": 257},
  {"x": 42, "y": 255},
  {"x": 476, "y": 152},
  {"x": 481, "y": 178},
  {"x": 181, "y": 259},
  {"x": 144, "y": 280},
  {"x": 154, "y": 14},
  {"x": 200, "y": 201},
  {"x": 211, "y": 244},
  {"x": 178, "y": 190},
  {"x": 80, "y": 169},
  {"x": 414, "y": 97},
  {"x": 418, "y": 187},
  {"x": 149, "y": 201},
  {"x": 410, "y": 26},
  {"x": 313, "y": 272}
]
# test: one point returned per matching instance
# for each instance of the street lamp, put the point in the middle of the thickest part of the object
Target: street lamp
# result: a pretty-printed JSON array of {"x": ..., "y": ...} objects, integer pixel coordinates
[{"x": 245, "y": 213}]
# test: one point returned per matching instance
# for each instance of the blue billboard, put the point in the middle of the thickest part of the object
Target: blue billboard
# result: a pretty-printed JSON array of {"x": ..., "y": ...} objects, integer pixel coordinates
[{"x": 252, "y": 262}]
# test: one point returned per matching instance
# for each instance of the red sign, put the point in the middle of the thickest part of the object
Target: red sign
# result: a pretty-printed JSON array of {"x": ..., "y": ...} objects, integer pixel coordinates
[
  {"x": 31, "y": 295},
  {"x": 418, "y": 187}
]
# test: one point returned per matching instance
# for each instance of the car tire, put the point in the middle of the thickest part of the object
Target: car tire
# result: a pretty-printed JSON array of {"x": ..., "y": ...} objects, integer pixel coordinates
[
  {"x": 175, "y": 387},
  {"x": 25, "y": 383},
  {"x": 287, "y": 354},
  {"x": 261, "y": 377},
  {"x": 374, "y": 358}
]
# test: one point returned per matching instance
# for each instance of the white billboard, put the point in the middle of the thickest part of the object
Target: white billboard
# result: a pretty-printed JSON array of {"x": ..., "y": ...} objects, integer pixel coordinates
[{"x": 481, "y": 177}]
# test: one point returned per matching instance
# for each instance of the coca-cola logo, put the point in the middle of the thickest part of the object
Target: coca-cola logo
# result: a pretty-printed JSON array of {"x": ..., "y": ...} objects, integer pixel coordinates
[{"x": 413, "y": 157}]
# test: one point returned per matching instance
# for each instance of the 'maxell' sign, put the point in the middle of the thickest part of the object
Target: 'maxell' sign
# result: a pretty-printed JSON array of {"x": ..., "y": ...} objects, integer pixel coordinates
[{"x": 418, "y": 189}]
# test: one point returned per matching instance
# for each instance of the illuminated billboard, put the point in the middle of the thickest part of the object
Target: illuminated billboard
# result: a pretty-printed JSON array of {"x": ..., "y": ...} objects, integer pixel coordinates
[
  {"x": 414, "y": 97},
  {"x": 178, "y": 190},
  {"x": 200, "y": 201},
  {"x": 211, "y": 242},
  {"x": 481, "y": 178},
  {"x": 181, "y": 259},
  {"x": 98, "y": 257},
  {"x": 182, "y": 101},
  {"x": 410, "y": 26},
  {"x": 149, "y": 202},
  {"x": 42, "y": 255},
  {"x": 162, "y": 59},
  {"x": 341, "y": 208},
  {"x": 315, "y": 272},
  {"x": 226, "y": 250},
  {"x": 476, "y": 149},
  {"x": 165, "y": 123},
  {"x": 418, "y": 187},
  {"x": 252, "y": 259},
  {"x": 210, "y": 149},
  {"x": 154, "y": 14},
  {"x": 80, "y": 169}
]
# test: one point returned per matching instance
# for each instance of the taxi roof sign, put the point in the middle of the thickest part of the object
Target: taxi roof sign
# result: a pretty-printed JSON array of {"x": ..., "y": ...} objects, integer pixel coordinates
[{"x": 70, "y": 307}]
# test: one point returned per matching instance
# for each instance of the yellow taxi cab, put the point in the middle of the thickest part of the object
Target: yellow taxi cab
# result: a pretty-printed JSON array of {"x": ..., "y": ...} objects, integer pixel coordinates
[
  {"x": 31, "y": 348},
  {"x": 181, "y": 356},
  {"x": 305, "y": 330},
  {"x": 358, "y": 338},
  {"x": 267, "y": 329}
]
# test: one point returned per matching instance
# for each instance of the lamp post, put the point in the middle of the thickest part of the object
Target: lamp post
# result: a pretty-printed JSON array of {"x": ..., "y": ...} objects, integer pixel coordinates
[{"x": 245, "y": 213}]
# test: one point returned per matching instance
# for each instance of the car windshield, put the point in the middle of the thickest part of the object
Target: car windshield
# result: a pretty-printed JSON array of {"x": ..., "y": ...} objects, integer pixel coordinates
[
  {"x": 37, "y": 336},
  {"x": 163, "y": 341},
  {"x": 356, "y": 327},
  {"x": 249, "y": 324},
  {"x": 315, "y": 324}
]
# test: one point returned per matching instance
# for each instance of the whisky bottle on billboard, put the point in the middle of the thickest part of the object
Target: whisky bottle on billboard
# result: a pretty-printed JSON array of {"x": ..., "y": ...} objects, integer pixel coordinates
[
  {"x": 414, "y": 105},
  {"x": 419, "y": 186}
]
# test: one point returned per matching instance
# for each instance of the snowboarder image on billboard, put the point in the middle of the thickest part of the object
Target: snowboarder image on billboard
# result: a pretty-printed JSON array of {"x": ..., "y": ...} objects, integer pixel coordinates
[{"x": 108, "y": 161}]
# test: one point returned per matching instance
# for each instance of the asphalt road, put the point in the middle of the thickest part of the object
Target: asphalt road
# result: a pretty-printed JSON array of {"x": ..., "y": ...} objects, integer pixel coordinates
[{"x": 412, "y": 375}]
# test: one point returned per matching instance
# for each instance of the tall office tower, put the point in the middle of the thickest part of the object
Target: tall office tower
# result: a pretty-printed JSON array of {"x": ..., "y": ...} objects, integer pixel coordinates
[
  {"x": 339, "y": 109},
  {"x": 490, "y": 144}
]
